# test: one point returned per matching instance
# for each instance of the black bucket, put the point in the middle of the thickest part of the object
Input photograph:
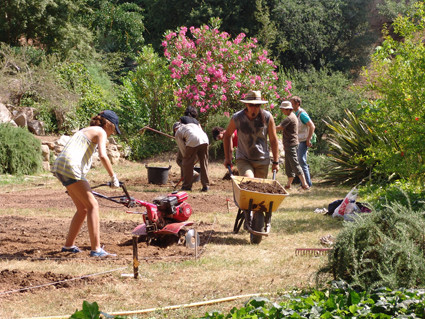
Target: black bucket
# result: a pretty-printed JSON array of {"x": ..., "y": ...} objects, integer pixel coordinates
[{"x": 158, "y": 175}]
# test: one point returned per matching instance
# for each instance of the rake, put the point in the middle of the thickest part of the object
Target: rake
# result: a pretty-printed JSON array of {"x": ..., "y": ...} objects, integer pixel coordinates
[{"x": 312, "y": 251}]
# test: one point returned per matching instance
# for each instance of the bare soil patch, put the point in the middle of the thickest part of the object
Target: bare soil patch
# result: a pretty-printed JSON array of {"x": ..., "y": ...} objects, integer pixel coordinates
[{"x": 39, "y": 238}]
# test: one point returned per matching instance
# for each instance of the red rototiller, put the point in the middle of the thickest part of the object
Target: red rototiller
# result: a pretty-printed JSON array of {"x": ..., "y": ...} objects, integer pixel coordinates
[{"x": 165, "y": 218}]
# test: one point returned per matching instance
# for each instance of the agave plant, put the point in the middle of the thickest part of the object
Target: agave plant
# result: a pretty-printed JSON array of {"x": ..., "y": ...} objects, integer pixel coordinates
[{"x": 350, "y": 162}]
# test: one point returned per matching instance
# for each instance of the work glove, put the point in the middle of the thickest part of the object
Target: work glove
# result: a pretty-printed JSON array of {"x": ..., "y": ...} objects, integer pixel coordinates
[{"x": 114, "y": 181}]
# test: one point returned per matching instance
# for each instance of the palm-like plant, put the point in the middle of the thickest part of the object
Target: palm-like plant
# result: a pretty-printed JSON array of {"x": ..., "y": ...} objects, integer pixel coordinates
[{"x": 350, "y": 160}]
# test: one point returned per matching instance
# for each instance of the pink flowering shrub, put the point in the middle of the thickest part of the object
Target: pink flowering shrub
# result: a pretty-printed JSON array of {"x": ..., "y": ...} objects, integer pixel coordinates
[{"x": 213, "y": 72}]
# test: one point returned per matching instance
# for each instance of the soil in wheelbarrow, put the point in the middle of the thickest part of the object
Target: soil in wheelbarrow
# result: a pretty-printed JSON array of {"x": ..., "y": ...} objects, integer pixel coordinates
[{"x": 262, "y": 187}]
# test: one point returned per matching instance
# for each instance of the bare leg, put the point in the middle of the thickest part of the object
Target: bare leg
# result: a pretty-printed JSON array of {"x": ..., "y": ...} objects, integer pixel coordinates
[
  {"x": 289, "y": 183},
  {"x": 303, "y": 181},
  {"x": 87, "y": 205}
]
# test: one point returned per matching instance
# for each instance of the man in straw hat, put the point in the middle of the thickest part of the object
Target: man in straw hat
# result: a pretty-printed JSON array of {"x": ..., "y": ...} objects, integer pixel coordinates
[
  {"x": 253, "y": 125},
  {"x": 289, "y": 128}
]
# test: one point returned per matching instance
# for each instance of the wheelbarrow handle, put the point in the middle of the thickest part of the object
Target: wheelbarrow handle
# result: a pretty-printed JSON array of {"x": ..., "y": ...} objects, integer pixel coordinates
[
  {"x": 230, "y": 170},
  {"x": 274, "y": 174}
]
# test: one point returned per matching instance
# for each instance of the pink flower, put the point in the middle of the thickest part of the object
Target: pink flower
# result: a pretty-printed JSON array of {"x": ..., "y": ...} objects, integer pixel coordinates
[
  {"x": 214, "y": 71},
  {"x": 226, "y": 114}
]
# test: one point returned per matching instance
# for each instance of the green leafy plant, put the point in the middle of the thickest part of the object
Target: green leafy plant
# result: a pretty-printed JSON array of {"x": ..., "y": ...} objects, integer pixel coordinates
[
  {"x": 402, "y": 191},
  {"x": 395, "y": 80},
  {"x": 93, "y": 98},
  {"x": 340, "y": 301},
  {"x": 148, "y": 145},
  {"x": 349, "y": 143},
  {"x": 147, "y": 97},
  {"x": 316, "y": 164},
  {"x": 383, "y": 248},
  {"x": 91, "y": 311},
  {"x": 20, "y": 151}
]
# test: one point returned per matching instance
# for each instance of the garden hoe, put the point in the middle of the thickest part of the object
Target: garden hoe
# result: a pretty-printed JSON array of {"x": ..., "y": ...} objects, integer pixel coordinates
[{"x": 142, "y": 130}]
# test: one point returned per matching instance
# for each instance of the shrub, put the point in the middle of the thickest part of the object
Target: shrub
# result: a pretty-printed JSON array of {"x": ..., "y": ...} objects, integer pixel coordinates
[
  {"x": 20, "y": 151},
  {"x": 396, "y": 191},
  {"x": 316, "y": 164},
  {"x": 383, "y": 248},
  {"x": 213, "y": 72},
  {"x": 350, "y": 163},
  {"x": 396, "y": 79},
  {"x": 94, "y": 95},
  {"x": 149, "y": 144},
  {"x": 147, "y": 95}
]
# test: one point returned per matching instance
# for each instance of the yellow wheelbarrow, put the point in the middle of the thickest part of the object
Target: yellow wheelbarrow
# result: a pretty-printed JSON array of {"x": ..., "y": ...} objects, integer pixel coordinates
[{"x": 255, "y": 208}]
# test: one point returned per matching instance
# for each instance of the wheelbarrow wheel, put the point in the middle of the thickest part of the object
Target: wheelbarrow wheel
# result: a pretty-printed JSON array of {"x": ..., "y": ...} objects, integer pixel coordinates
[{"x": 257, "y": 224}]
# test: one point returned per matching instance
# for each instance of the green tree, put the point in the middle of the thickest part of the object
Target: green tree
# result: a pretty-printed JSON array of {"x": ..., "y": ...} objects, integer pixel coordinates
[
  {"x": 318, "y": 33},
  {"x": 52, "y": 24},
  {"x": 118, "y": 26},
  {"x": 390, "y": 9},
  {"x": 93, "y": 97},
  {"x": 396, "y": 80},
  {"x": 250, "y": 17}
]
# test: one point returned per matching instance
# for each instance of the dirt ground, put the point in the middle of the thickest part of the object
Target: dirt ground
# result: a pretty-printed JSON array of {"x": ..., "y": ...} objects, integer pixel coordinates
[{"x": 38, "y": 238}]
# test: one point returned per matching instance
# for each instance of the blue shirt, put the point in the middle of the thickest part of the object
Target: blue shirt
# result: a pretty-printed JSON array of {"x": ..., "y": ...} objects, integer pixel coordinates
[{"x": 303, "y": 117}]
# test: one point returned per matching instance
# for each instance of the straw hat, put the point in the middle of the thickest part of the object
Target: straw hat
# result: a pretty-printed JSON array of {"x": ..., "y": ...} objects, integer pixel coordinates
[
  {"x": 286, "y": 105},
  {"x": 253, "y": 97}
]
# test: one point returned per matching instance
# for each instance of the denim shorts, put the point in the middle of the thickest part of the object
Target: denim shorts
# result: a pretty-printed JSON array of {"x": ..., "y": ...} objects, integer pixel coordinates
[{"x": 66, "y": 181}]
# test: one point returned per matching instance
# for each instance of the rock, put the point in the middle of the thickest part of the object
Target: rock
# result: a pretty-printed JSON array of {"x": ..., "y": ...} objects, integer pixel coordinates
[
  {"x": 21, "y": 119},
  {"x": 45, "y": 152},
  {"x": 5, "y": 115},
  {"x": 113, "y": 153},
  {"x": 36, "y": 127},
  {"x": 50, "y": 145},
  {"x": 58, "y": 149},
  {"x": 46, "y": 166}
]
